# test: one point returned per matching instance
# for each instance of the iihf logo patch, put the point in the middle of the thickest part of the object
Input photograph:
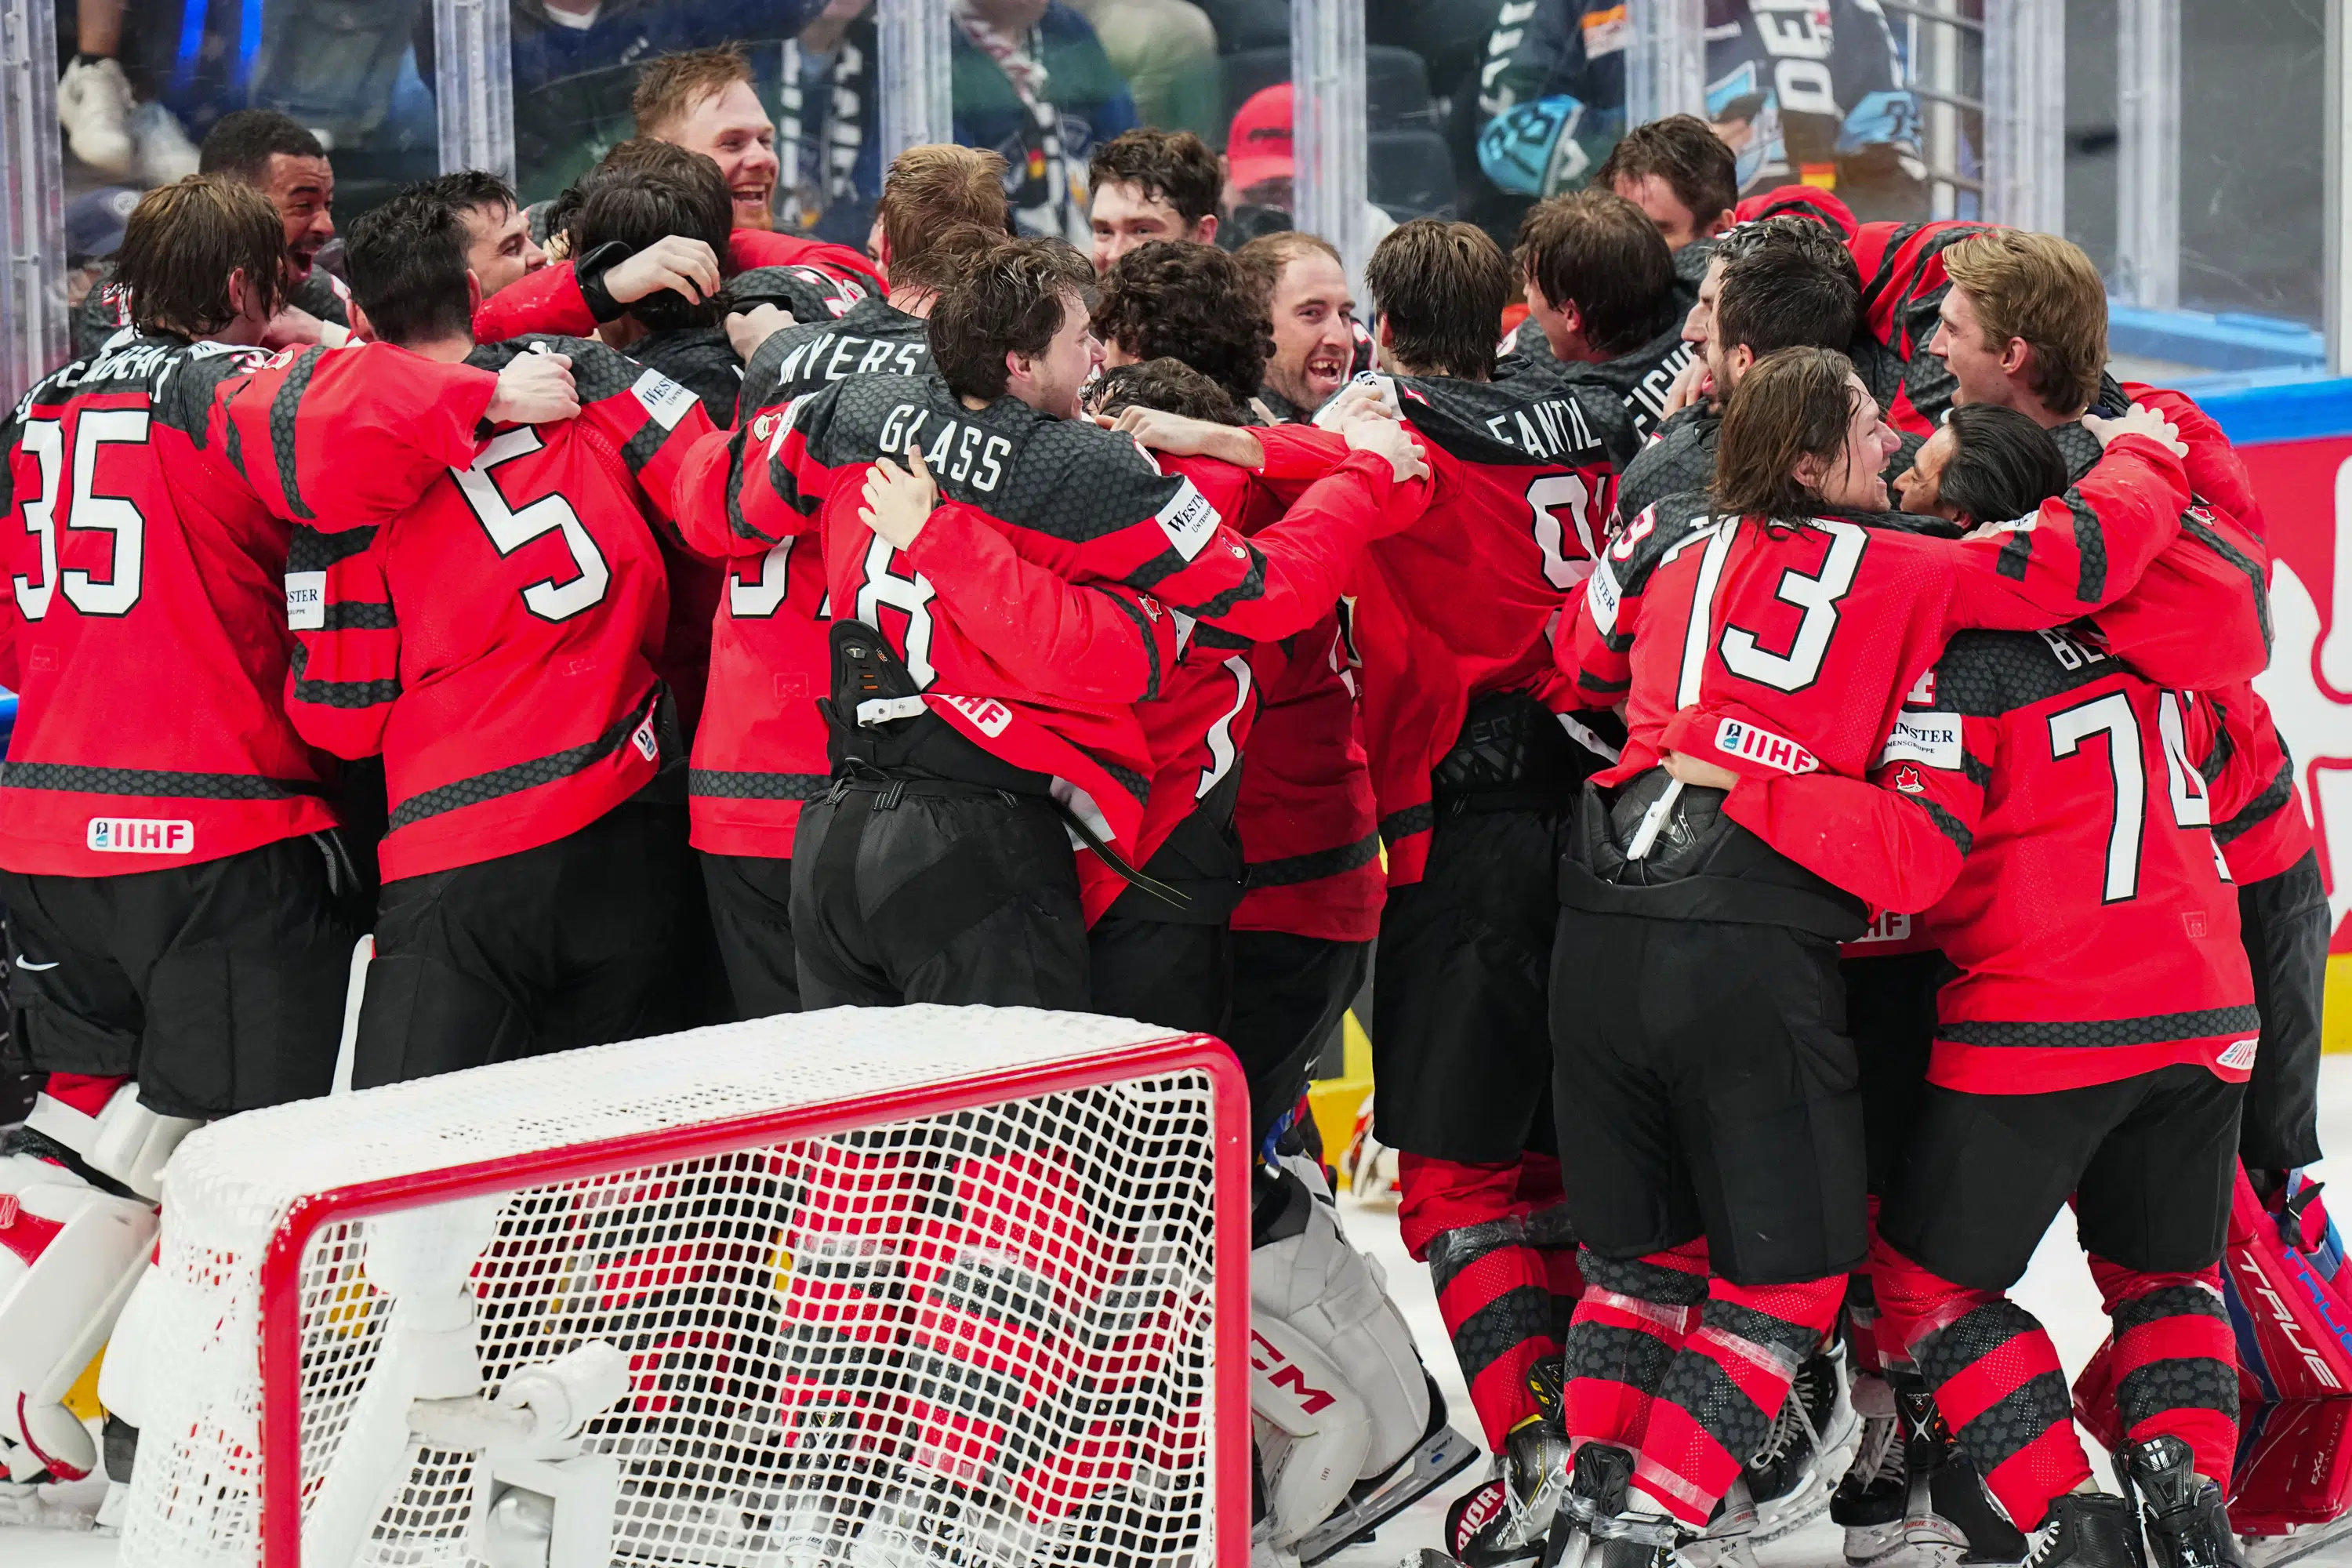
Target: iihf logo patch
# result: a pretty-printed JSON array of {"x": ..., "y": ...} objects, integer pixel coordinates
[
  {"x": 644, "y": 741},
  {"x": 1738, "y": 738},
  {"x": 1907, "y": 780},
  {"x": 2240, "y": 1057}
]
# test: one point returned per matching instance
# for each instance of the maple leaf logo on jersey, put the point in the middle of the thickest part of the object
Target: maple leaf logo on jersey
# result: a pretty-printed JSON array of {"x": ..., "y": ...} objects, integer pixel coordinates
[
  {"x": 764, "y": 427},
  {"x": 1907, "y": 780}
]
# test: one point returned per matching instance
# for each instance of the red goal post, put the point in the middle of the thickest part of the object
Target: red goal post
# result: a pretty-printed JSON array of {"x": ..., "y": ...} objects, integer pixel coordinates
[{"x": 968, "y": 1272}]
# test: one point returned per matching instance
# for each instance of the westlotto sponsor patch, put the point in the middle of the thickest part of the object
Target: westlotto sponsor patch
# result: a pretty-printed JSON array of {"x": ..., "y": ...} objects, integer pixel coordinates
[
  {"x": 1738, "y": 738},
  {"x": 141, "y": 835},
  {"x": 1932, "y": 740},
  {"x": 1188, "y": 520},
  {"x": 665, "y": 400}
]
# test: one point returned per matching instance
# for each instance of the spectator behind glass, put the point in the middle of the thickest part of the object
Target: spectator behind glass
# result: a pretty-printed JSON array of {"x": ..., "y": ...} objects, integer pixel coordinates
[
  {"x": 1031, "y": 83},
  {"x": 499, "y": 248},
  {"x": 575, "y": 61},
  {"x": 1312, "y": 311},
  {"x": 704, "y": 101},
  {"x": 1166, "y": 51},
  {"x": 1677, "y": 170},
  {"x": 1152, "y": 184}
]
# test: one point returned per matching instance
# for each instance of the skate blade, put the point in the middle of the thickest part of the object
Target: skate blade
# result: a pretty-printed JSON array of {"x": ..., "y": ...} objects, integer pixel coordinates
[
  {"x": 1438, "y": 1461},
  {"x": 2276, "y": 1551}
]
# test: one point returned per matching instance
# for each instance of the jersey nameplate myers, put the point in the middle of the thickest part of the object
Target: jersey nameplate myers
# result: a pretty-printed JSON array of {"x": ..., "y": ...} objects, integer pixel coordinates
[
  {"x": 664, "y": 401},
  {"x": 141, "y": 835},
  {"x": 839, "y": 355},
  {"x": 1930, "y": 739},
  {"x": 306, "y": 601}
]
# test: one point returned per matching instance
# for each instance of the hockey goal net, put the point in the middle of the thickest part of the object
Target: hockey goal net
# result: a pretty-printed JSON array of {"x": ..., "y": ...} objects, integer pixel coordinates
[{"x": 880, "y": 1288}]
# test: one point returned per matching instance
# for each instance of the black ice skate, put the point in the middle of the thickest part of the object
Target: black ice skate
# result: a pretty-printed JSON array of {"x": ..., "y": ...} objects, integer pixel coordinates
[
  {"x": 2185, "y": 1515},
  {"x": 2086, "y": 1529}
]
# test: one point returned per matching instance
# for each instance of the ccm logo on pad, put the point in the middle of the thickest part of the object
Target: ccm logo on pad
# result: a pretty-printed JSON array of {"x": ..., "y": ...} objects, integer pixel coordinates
[{"x": 141, "y": 835}]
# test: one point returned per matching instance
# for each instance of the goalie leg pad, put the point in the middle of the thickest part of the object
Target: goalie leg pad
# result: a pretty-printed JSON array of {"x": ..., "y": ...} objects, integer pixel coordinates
[
  {"x": 125, "y": 1142},
  {"x": 1306, "y": 1277},
  {"x": 1313, "y": 1430},
  {"x": 68, "y": 1256}
]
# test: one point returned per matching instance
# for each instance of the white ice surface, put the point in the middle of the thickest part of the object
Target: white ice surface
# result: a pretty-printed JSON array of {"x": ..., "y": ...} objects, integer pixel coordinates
[{"x": 2057, "y": 1289}]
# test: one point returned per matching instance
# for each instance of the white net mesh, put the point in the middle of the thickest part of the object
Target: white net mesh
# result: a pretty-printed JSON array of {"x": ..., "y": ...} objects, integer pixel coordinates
[{"x": 983, "y": 1335}]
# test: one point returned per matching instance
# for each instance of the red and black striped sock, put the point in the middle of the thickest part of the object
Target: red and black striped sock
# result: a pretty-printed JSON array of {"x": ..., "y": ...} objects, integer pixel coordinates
[
  {"x": 1628, "y": 1325},
  {"x": 1997, "y": 1378},
  {"x": 1494, "y": 1288},
  {"x": 1722, "y": 1390},
  {"x": 2176, "y": 1360}
]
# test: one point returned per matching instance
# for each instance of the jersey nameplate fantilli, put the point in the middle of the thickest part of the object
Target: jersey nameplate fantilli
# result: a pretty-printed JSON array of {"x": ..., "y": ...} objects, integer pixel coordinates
[
  {"x": 1738, "y": 738},
  {"x": 1932, "y": 740}
]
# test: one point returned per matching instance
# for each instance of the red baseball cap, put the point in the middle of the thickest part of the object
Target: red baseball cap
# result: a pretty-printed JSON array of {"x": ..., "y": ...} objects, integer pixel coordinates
[{"x": 1258, "y": 147}]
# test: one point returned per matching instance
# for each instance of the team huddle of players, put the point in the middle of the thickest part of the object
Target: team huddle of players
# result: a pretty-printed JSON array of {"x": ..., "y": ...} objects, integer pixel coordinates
[{"x": 1785, "y": 903}]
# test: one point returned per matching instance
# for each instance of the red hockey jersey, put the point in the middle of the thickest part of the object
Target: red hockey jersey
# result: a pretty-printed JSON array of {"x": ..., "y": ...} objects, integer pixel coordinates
[
  {"x": 2051, "y": 809},
  {"x": 1088, "y": 505},
  {"x": 1816, "y": 628},
  {"x": 1460, "y": 604},
  {"x": 150, "y": 488},
  {"x": 496, "y": 642},
  {"x": 760, "y": 754}
]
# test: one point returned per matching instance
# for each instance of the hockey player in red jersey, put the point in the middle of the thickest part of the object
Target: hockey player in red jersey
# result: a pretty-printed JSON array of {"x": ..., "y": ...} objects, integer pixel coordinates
[
  {"x": 498, "y": 643},
  {"x": 2017, "y": 306},
  {"x": 180, "y": 901},
  {"x": 1473, "y": 772},
  {"x": 760, "y": 754},
  {"x": 989, "y": 766},
  {"x": 1720, "y": 1136}
]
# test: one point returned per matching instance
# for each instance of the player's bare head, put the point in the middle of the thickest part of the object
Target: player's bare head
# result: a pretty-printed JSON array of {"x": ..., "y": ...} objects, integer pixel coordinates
[
  {"x": 200, "y": 255},
  {"x": 2026, "y": 311},
  {"x": 1438, "y": 293},
  {"x": 704, "y": 100},
  {"x": 1984, "y": 464},
  {"x": 1152, "y": 184},
  {"x": 642, "y": 193},
  {"x": 1800, "y": 432},
  {"x": 407, "y": 264},
  {"x": 1176, "y": 300},
  {"x": 282, "y": 160},
  {"x": 1168, "y": 384},
  {"x": 1312, "y": 310},
  {"x": 1786, "y": 283},
  {"x": 1600, "y": 280},
  {"x": 1681, "y": 174},
  {"x": 933, "y": 195},
  {"x": 499, "y": 248},
  {"x": 1019, "y": 321}
]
